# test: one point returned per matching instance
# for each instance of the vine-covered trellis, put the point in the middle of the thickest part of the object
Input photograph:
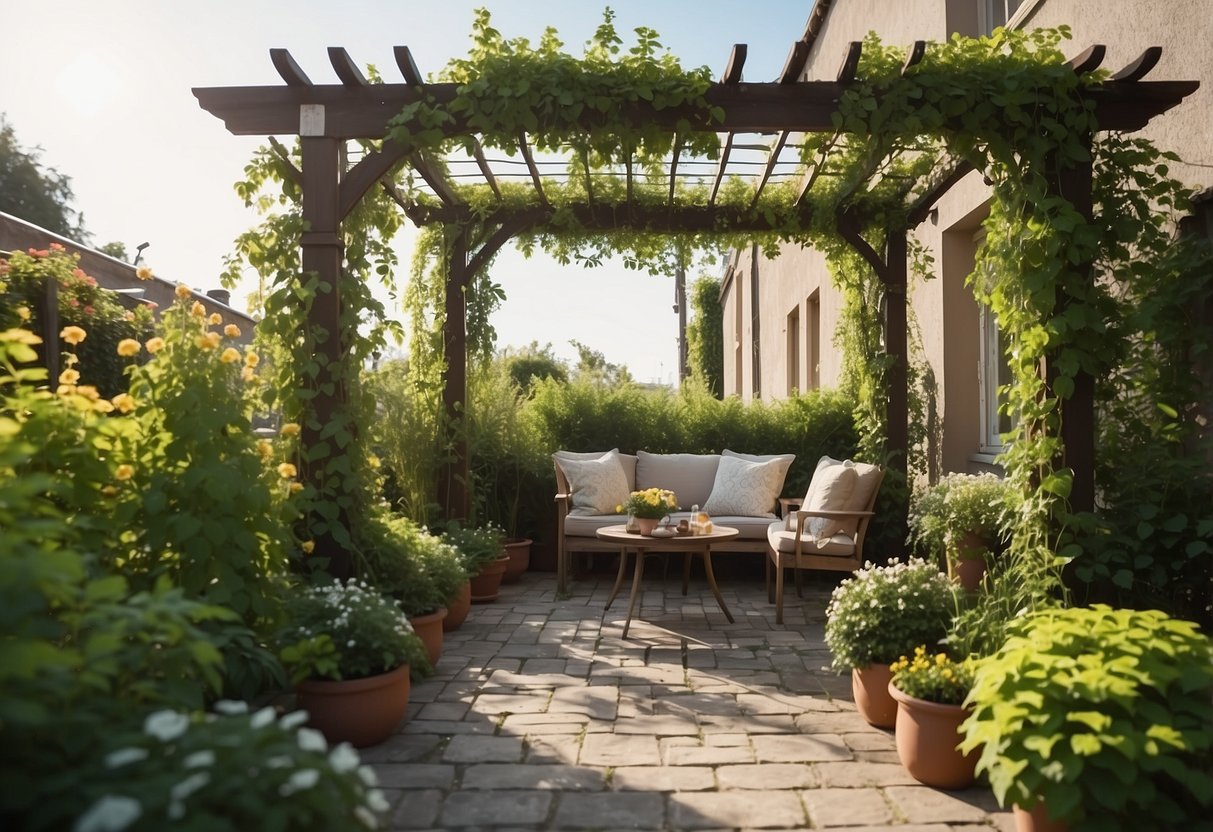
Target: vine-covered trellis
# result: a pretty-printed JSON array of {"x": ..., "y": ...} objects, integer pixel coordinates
[{"x": 882, "y": 141}]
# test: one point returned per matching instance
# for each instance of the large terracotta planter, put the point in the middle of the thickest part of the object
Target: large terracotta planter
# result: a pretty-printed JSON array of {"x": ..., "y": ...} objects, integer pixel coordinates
[
  {"x": 519, "y": 550},
  {"x": 488, "y": 581},
  {"x": 967, "y": 560},
  {"x": 1037, "y": 820},
  {"x": 457, "y": 608},
  {"x": 429, "y": 629},
  {"x": 870, "y": 687},
  {"x": 927, "y": 736},
  {"x": 361, "y": 712}
]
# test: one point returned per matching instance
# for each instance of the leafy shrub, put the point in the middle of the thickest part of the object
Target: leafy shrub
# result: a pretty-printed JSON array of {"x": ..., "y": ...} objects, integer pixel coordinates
[
  {"x": 884, "y": 612},
  {"x": 705, "y": 335},
  {"x": 478, "y": 546},
  {"x": 420, "y": 570},
  {"x": 1105, "y": 715},
  {"x": 957, "y": 504}
]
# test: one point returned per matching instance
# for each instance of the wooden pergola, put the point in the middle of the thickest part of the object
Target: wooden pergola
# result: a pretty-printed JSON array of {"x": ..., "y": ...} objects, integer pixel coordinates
[{"x": 326, "y": 116}]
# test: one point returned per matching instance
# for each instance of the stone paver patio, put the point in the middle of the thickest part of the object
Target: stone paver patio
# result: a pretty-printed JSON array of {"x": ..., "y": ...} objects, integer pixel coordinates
[{"x": 541, "y": 717}]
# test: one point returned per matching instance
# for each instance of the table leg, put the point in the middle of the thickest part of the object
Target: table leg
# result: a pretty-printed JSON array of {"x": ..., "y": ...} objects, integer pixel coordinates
[
  {"x": 707, "y": 567},
  {"x": 686, "y": 571},
  {"x": 623, "y": 568},
  {"x": 637, "y": 576}
]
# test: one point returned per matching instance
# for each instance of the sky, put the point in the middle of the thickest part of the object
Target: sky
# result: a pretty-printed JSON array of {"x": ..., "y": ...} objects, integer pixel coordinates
[{"x": 104, "y": 90}]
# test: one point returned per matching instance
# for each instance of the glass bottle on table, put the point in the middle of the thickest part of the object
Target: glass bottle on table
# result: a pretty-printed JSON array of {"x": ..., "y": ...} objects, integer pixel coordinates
[{"x": 695, "y": 519}]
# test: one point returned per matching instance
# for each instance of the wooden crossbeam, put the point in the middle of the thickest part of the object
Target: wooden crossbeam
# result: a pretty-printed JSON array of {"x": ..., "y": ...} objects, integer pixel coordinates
[
  {"x": 795, "y": 63},
  {"x": 603, "y": 217},
  {"x": 627, "y": 173},
  {"x": 290, "y": 71},
  {"x": 810, "y": 176},
  {"x": 917, "y": 52},
  {"x": 346, "y": 69},
  {"x": 678, "y": 142},
  {"x": 442, "y": 189},
  {"x": 1089, "y": 59},
  {"x": 720, "y": 167},
  {"x": 850, "y": 63},
  {"x": 536, "y": 180},
  {"x": 922, "y": 206},
  {"x": 771, "y": 161},
  {"x": 732, "y": 70},
  {"x": 1140, "y": 67},
  {"x": 282, "y": 153},
  {"x": 407, "y": 66},
  {"x": 483, "y": 163}
]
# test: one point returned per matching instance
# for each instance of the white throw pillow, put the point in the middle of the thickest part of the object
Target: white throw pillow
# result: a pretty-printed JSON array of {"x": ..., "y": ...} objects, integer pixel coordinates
[
  {"x": 597, "y": 485},
  {"x": 746, "y": 488},
  {"x": 831, "y": 489}
]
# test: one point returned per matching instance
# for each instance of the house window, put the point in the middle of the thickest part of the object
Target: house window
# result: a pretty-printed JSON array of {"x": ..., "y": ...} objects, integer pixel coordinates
[
  {"x": 794, "y": 350},
  {"x": 812, "y": 341},
  {"x": 995, "y": 374},
  {"x": 994, "y": 13}
]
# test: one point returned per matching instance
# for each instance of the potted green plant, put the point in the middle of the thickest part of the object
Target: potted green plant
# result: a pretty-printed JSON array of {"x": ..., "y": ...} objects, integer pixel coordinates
[
  {"x": 348, "y": 649},
  {"x": 961, "y": 518},
  {"x": 930, "y": 691},
  {"x": 878, "y": 615},
  {"x": 483, "y": 551},
  {"x": 648, "y": 507},
  {"x": 1099, "y": 718}
]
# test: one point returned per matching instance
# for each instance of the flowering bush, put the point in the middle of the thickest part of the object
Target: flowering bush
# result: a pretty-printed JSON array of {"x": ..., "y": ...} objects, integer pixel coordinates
[
  {"x": 346, "y": 631},
  {"x": 933, "y": 678},
  {"x": 478, "y": 546},
  {"x": 884, "y": 612},
  {"x": 956, "y": 505},
  {"x": 652, "y": 503},
  {"x": 228, "y": 770},
  {"x": 420, "y": 570}
]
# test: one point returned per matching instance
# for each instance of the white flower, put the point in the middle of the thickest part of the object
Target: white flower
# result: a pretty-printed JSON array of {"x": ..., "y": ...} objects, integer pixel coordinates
[
  {"x": 368, "y": 776},
  {"x": 123, "y": 756},
  {"x": 199, "y": 759},
  {"x": 231, "y": 707},
  {"x": 166, "y": 726},
  {"x": 293, "y": 720},
  {"x": 310, "y": 739},
  {"x": 109, "y": 814},
  {"x": 305, "y": 778},
  {"x": 262, "y": 718},
  {"x": 176, "y": 810},
  {"x": 280, "y": 761},
  {"x": 349, "y": 643},
  {"x": 365, "y": 817},
  {"x": 376, "y": 801},
  {"x": 190, "y": 785},
  {"x": 344, "y": 758}
]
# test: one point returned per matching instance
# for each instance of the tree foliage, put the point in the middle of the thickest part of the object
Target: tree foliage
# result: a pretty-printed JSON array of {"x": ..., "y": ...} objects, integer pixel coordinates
[{"x": 37, "y": 194}]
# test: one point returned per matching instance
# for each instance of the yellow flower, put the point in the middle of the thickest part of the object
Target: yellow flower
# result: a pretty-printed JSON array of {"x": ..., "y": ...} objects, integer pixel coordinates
[
  {"x": 209, "y": 341},
  {"x": 69, "y": 376},
  {"x": 215, "y": 319},
  {"x": 290, "y": 429},
  {"x": 109, "y": 491},
  {"x": 619, "y": 509},
  {"x": 88, "y": 391},
  {"x": 286, "y": 470},
  {"x": 265, "y": 448},
  {"x": 23, "y": 313},
  {"x": 143, "y": 273},
  {"x": 308, "y": 546},
  {"x": 373, "y": 461},
  {"x": 128, "y": 347},
  {"x": 125, "y": 402},
  {"x": 247, "y": 374},
  {"x": 66, "y": 389},
  {"x": 251, "y": 359},
  {"x": 230, "y": 356},
  {"x": 231, "y": 331},
  {"x": 184, "y": 291},
  {"x": 124, "y": 472},
  {"x": 154, "y": 345},
  {"x": 103, "y": 406},
  {"x": 198, "y": 310},
  {"x": 296, "y": 487},
  {"x": 73, "y": 335}
]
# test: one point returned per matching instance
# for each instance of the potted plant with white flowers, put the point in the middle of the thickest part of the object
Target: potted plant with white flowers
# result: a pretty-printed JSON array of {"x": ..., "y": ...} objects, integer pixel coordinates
[{"x": 348, "y": 649}]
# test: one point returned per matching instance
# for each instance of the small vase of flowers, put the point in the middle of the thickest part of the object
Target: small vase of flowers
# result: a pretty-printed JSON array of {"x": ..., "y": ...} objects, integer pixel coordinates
[{"x": 648, "y": 507}]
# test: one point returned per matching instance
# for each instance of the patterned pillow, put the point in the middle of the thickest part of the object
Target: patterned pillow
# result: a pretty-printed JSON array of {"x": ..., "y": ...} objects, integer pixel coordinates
[
  {"x": 598, "y": 485},
  {"x": 746, "y": 488}
]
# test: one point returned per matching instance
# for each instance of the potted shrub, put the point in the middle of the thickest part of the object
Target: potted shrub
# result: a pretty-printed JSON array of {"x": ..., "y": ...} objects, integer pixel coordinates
[
  {"x": 348, "y": 649},
  {"x": 960, "y": 516},
  {"x": 930, "y": 691},
  {"x": 484, "y": 559},
  {"x": 1098, "y": 718},
  {"x": 878, "y": 615},
  {"x": 648, "y": 507}
]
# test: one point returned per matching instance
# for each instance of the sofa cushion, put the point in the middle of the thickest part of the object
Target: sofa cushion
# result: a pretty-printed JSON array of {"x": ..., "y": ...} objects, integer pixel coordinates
[
  {"x": 759, "y": 457},
  {"x": 784, "y": 541},
  {"x": 598, "y": 486},
  {"x": 627, "y": 460},
  {"x": 831, "y": 489},
  {"x": 747, "y": 488},
  {"x": 689, "y": 476}
]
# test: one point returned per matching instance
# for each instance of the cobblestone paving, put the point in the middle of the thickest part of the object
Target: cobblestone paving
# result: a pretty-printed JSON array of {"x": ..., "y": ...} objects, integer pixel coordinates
[{"x": 541, "y": 717}]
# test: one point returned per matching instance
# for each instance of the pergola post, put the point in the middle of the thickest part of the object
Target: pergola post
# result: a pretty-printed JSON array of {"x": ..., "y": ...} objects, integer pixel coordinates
[
  {"x": 453, "y": 480},
  {"x": 897, "y": 413}
]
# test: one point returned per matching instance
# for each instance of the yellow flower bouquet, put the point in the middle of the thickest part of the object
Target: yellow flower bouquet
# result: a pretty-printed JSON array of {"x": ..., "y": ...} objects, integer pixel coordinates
[
  {"x": 936, "y": 678},
  {"x": 652, "y": 503}
]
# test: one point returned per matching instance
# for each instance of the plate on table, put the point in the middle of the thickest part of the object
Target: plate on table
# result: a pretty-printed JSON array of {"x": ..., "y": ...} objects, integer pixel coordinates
[{"x": 663, "y": 531}]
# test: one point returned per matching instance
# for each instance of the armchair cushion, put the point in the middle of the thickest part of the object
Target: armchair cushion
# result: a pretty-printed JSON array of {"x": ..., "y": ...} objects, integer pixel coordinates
[
  {"x": 747, "y": 487},
  {"x": 831, "y": 489},
  {"x": 597, "y": 485},
  {"x": 783, "y": 541}
]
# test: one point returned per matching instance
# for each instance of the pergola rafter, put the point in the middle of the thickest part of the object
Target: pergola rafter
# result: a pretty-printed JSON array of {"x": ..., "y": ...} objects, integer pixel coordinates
[{"x": 326, "y": 116}]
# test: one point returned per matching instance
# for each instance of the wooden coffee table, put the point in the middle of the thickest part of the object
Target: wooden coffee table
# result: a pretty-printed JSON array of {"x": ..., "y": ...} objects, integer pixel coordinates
[{"x": 642, "y": 545}]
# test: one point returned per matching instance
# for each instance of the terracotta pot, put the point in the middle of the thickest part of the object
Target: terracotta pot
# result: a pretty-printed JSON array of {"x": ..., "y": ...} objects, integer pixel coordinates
[
  {"x": 870, "y": 687},
  {"x": 488, "y": 581},
  {"x": 647, "y": 524},
  {"x": 1037, "y": 820},
  {"x": 927, "y": 736},
  {"x": 519, "y": 550},
  {"x": 966, "y": 560},
  {"x": 970, "y": 572},
  {"x": 457, "y": 608},
  {"x": 361, "y": 712},
  {"x": 429, "y": 629}
]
